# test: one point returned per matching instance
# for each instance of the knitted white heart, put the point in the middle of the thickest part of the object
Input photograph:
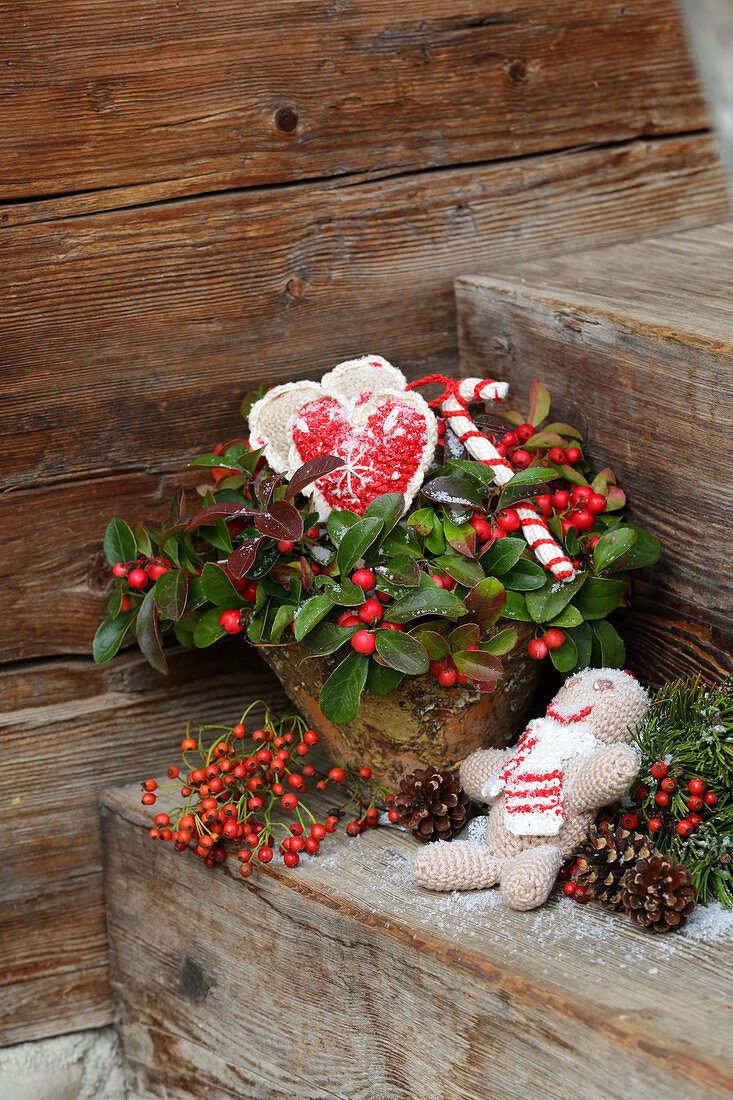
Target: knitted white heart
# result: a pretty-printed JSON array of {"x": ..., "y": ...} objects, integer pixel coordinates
[{"x": 359, "y": 412}]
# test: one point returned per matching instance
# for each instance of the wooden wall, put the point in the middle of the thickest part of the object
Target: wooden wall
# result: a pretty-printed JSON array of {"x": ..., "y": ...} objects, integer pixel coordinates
[{"x": 197, "y": 196}]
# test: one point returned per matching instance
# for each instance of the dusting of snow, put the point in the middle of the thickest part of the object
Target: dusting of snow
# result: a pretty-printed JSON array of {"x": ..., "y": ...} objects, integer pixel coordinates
[{"x": 710, "y": 924}]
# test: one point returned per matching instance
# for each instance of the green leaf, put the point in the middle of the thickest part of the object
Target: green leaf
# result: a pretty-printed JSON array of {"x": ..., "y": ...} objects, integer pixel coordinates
[
  {"x": 110, "y": 633},
  {"x": 452, "y": 490},
  {"x": 345, "y": 593},
  {"x": 526, "y": 484},
  {"x": 501, "y": 555},
  {"x": 267, "y": 555},
  {"x": 500, "y": 643},
  {"x": 478, "y": 665},
  {"x": 464, "y": 570},
  {"x": 325, "y": 639},
  {"x": 524, "y": 576},
  {"x": 615, "y": 499},
  {"x": 207, "y": 629},
  {"x": 312, "y": 611},
  {"x": 402, "y": 540},
  {"x": 341, "y": 693},
  {"x": 461, "y": 536},
  {"x": 356, "y": 541},
  {"x": 545, "y": 603},
  {"x": 402, "y": 570},
  {"x": 283, "y": 617},
  {"x": 148, "y": 636},
  {"x": 119, "y": 542},
  {"x": 516, "y": 608},
  {"x": 565, "y": 657},
  {"x": 539, "y": 403},
  {"x": 435, "y": 541},
  {"x": 571, "y": 474},
  {"x": 422, "y": 521},
  {"x": 217, "y": 535},
  {"x": 464, "y": 636},
  {"x": 196, "y": 595},
  {"x": 435, "y": 644},
  {"x": 583, "y": 638},
  {"x": 142, "y": 539},
  {"x": 485, "y": 602},
  {"x": 217, "y": 588},
  {"x": 170, "y": 592},
  {"x": 646, "y": 550},
  {"x": 426, "y": 601},
  {"x": 613, "y": 651},
  {"x": 381, "y": 679},
  {"x": 338, "y": 524},
  {"x": 569, "y": 616},
  {"x": 540, "y": 441},
  {"x": 402, "y": 652},
  {"x": 484, "y": 474},
  {"x": 612, "y": 547},
  {"x": 599, "y": 597},
  {"x": 563, "y": 429},
  {"x": 256, "y": 625},
  {"x": 183, "y": 630},
  {"x": 388, "y": 507}
]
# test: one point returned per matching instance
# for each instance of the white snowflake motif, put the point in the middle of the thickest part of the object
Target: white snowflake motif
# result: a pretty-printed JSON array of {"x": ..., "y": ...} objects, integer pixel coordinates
[{"x": 351, "y": 469}]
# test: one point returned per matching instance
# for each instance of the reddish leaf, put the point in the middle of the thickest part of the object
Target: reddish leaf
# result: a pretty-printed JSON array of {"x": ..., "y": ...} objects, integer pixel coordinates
[
  {"x": 310, "y": 471},
  {"x": 479, "y": 666},
  {"x": 243, "y": 558},
  {"x": 539, "y": 403},
  {"x": 485, "y": 602},
  {"x": 225, "y": 510},
  {"x": 148, "y": 635},
  {"x": 282, "y": 521},
  {"x": 265, "y": 487}
]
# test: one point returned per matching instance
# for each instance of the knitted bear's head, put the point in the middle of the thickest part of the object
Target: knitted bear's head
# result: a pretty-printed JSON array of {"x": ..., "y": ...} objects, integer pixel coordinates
[{"x": 617, "y": 699}]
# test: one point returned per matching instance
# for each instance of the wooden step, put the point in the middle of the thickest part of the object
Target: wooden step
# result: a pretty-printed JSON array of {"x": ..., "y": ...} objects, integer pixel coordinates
[
  {"x": 343, "y": 978},
  {"x": 635, "y": 343}
]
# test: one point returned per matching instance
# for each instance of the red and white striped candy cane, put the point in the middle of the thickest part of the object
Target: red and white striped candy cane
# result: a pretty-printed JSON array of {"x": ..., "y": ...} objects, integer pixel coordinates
[{"x": 454, "y": 407}]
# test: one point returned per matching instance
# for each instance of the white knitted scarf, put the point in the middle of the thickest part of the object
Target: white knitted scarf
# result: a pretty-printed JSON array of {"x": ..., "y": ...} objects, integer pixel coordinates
[{"x": 532, "y": 778}]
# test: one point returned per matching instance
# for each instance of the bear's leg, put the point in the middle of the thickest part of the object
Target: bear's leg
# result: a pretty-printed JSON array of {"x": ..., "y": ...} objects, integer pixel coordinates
[
  {"x": 460, "y": 865},
  {"x": 527, "y": 878}
]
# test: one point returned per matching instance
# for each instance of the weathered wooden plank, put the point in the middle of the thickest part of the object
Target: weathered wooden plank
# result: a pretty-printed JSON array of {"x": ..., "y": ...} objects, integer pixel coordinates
[
  {"x": 634, "y": 343},
  {"x": 399, "y": 992},
  {"x": 710, "y": 30},
  {"x": 214, "y": 95},
  {"x": 158, "y": 318},
  {"x": 69, "y": 730}
]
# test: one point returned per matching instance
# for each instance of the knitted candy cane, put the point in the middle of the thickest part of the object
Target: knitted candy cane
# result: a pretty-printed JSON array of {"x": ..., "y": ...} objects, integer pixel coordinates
[{"x": 454, "y": 406}]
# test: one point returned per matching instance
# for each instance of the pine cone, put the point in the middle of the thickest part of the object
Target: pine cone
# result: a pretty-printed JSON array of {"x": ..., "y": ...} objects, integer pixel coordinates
[
  {"x": 658, "y": 893},
  {"x": 433, "y": 806},
  {"x": 603, "y": 855}
]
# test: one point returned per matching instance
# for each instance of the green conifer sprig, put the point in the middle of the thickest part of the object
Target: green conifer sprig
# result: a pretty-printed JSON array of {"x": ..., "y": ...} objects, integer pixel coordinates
[{"x": 689, "y": 726}]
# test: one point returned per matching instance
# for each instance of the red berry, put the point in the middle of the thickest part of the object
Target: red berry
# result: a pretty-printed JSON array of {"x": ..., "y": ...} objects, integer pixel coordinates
[
  {"x": 353, "y": 828},
  {"x": 553, "y": 638},
  {"x": 569, "y": 889},
  {"x": 641, "y": 792},
  {"x": 710, "y": 798},
  {"x": 318, "y": 831},
  {"x": 668, "y": 784},
  {"x": 593, "y": 542},
  {"x": 137, "y": 578},
  {"x": 148, "y": 799},
  {"x": 119, "y": 569},
  {"x": 537, "y": 649},
  {"x": 508, "y": 520},
  {"x": 291, "y": 859},
  {"x": 597, "y": 504},
  {"x": 150, "y": 785},
  {"x": 685, "y": 828},
  {"x": 544, "y": 503},
  {"x": 521, "y": 459},
  {"x": 365, "y": 773},
  {"x": 581, "y": 895},
  {"x": 509, "y": 439},
  {"x": 285, "y": 546},
  {"x": 566, "y": 525},
  {"x": 629, "y": 821},
  {"x": 364, "y": 578},
  {"x": 560, "y": 500},
  {"x": 573, "y": 455},
  {"x": 162, "y": 819},
  {"x": 655, "y": 824},
  {"x": 296, "y": 782},
  {"x": 695, "y": 803},
  {"x": 697, "y": 786},
  {"x": 694, "y": 819},
  {"x": 265, "y": 854},
  {"x": 447, "y": 677},
  {"x": 662, "y": 798},
  {"x": 370, "y": 611},
  {"x": 337, "y": 775},
  {"x": 482, "y": 529},
  {"x": 557, "y": 456},
  {"x": 391, "y": 626},
  {"x": 581, "y": 493},
  {"x": 331, "y": 824},
  {"x": 229, "y": 621},
  {"x": 583, "y": 520},
  {"x": 289, "y": 801},
  {"x": 524, "y": 432},
  {"x": 393, "y": 816},
  {"x": 311, "y": 846},
  {"x": 364, "y": 642},
  {"x": 310, "y": 737},
  {"x": 155, "y": 570},
  {"x": 659, "y": 769},
  {"x": 312, "y": 532}
]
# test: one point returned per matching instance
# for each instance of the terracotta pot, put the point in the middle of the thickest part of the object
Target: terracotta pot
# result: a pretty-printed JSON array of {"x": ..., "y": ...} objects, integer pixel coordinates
[{"x": 417, "y": 723}]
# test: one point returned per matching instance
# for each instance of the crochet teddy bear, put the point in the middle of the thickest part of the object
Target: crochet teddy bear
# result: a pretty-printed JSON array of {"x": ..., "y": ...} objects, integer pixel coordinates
[{"x": 545, "y": 792}]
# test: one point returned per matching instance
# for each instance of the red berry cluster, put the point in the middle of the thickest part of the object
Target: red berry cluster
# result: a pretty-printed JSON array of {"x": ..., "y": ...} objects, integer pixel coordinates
[
  {"x": 140, "y": 573},
  {"x": 236, "y": 790},
  {"x": 670, "y": 798},
  {"x": 551, "y": 639},
  {"x": 571, "y": 889}
]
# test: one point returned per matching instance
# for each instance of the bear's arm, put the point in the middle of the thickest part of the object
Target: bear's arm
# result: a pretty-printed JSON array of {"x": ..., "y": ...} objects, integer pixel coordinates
[
  {"x": 603, "y": 779},
  {"x": 478, "y": 767}
]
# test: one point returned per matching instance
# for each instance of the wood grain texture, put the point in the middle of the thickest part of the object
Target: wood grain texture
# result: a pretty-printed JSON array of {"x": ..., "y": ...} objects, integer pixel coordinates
[
  {"x": 647, "y": 328},
  {"x": 69, "y": 730},
  {"x": 196, "y": 97},
  {"x": 414, "y": 993},
  {"x": 710, "y": 31},
  {"x": 129, "y": 336}
]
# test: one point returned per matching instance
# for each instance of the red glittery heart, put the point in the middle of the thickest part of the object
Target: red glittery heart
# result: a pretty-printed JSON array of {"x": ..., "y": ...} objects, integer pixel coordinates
[{"x": 384, "y": 441}]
